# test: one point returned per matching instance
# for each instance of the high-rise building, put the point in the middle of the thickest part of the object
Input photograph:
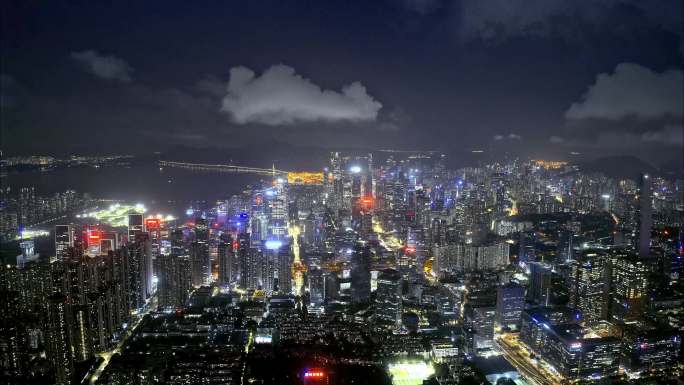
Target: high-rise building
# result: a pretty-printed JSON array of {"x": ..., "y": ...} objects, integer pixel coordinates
[
  {"x": 540, "y": 283},
  {"x": 139, "y": 270},
  {"x": 360, "y": 274},
  {"x": 510, "y": 302},
  {"x": 135, "y": 226},
  {"x": 65, "y": 237},
  {"x": 174, "y": 280},
  {"x": 58, "y": 339},
  {"x": 225, "y": 262},
  {"x": 590, "y": 287},
  {"x": 388, "y": 296},
  {"x": 563, "y": 346},
  {"x": 201, "y": 264},
  {"x": 629, "y": 287},
  {"x": 645, "y": 215}
]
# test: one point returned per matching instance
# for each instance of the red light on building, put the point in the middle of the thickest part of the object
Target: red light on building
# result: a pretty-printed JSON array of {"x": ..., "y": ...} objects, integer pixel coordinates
[
  {"x": 152, "y": 223},
  {"x": 235, "y": 244},
  {"x": 410, "y": 250},
  {"x": 93, "y": 237},
  {"x": 313, "y": 375}
]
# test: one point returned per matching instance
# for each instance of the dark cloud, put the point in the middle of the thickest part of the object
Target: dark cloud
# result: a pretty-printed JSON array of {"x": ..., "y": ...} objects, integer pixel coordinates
[
  {"x": 282, "y": 97},
  {"x": 510, "y": 136},
  {"x": 500, "y": 20},
  {"x": 631, "y": 107},
  {"x": 107, "y": 67},
  {"x": 632, "y": 90}
]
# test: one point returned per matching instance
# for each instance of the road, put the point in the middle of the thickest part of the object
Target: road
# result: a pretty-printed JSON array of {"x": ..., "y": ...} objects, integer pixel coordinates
[
  {"x": 533, "y": 371},
  {"x": 107, "y": 356}
]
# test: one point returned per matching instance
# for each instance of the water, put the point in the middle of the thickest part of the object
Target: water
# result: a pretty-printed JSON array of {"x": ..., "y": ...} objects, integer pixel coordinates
[{"x": 140, "y": 182}]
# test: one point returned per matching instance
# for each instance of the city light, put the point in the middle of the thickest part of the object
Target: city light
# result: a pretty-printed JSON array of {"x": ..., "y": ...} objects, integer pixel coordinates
[
  {"x": 273, "y": 244},
  {"x": 355, "y": 169},
  {"x": 410, "y": 373}
]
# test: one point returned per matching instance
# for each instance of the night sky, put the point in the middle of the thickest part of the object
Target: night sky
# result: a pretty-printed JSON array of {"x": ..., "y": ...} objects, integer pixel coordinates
[{"x": 534, "y": 77}]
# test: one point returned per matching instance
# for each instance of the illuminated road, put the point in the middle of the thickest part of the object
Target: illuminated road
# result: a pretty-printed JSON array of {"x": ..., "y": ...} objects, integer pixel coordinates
[
  {"x": 519, "y": 357},
  {"x": 107, "y": 356},
  {"x": 248, "y": 346},
  {"x": 298, "y": 267},
  {"x": 229, "y": 168}
]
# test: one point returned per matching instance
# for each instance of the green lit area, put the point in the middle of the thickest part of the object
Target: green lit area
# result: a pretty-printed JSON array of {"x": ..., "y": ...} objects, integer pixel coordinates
[
  {"x": 410, "y": 373},
  {"x": 115, "y": 215}
]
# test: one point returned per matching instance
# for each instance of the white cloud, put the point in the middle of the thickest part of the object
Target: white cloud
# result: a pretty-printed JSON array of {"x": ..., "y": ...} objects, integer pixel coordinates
[
  {"x": 632, "y": 90},
  {"x": 556, "y": 139},
  {"x": 282, "y": 97},
  {"x": 103, "y": 66},
  {"x": 498, "y": 137}
]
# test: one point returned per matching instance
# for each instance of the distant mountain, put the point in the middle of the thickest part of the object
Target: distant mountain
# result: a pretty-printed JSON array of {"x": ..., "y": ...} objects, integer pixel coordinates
[{"x": 619, "y": 167}]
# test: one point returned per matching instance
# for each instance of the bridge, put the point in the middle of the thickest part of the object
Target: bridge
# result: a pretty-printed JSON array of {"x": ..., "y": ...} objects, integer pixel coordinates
[{"x": 224, "y": 168}]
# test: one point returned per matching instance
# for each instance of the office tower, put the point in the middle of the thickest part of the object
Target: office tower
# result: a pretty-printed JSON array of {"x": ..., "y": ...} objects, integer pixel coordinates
[
  {"x": 480, "y": 319},
  {"x": 540, "y": 283},
  {"x": 58, "y": 339},
  {"x": 27, "y": 255},
  {"x": 225, "y": 262},
  {"x": 201, "y": 230},
  {"x": 360, "y": 273},
  {"x": 139, "y": 271},
  {"x": 284, "y": 270},
  {"x": 510, "y": 301},
  {"x": 276, "y": 210},
  {"x": 645, "y": 215},
  {"x": 590, "y": 287},
  {"x": 650, "y": 348},
  {"x": 135, "y": 226},
  {"x": 166, "y": 281},
  {"x": 243, "y": 259},
  {"x": 316, "y": 286},
  {"x": 64, "y": 238},
  {"x": 564, "y": 346},
  {"x": 201, "y": 264},
  {"x": 388, "y": 296},
  {"x": 629, "y": 285}
]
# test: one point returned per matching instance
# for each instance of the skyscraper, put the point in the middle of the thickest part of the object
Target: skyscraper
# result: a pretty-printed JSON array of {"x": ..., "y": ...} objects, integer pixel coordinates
[
  {"x": 225, "y": 262},
  {"x": 201, "y": 264},
  {"x": 58, "y": 339},
  {"x": 510, "y": 301},
  {"x": 135, "y": 226},
  {"x": 64, "y": 238},
  {"x": 645, "y": 215}
]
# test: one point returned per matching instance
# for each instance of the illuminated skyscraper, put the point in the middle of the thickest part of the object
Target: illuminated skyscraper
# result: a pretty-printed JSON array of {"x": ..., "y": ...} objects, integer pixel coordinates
[
  {"x": 135, "y": 226},
  {"x": 225, "y": 262},
  {"x": 510, "y": 302},
  {"x": 629, "y": 285},
  {"x": 64, "y": 238},
  {"x": 645, "y": 215},
  {"x": 201, "y": 264},
  {"x": 58, "y": 339}
]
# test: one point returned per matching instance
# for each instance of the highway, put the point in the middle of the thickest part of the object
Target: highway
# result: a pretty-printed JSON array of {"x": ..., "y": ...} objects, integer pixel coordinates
[
  {"x": 227, "y": 168},
  {"x": 534, "y": 372}
]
